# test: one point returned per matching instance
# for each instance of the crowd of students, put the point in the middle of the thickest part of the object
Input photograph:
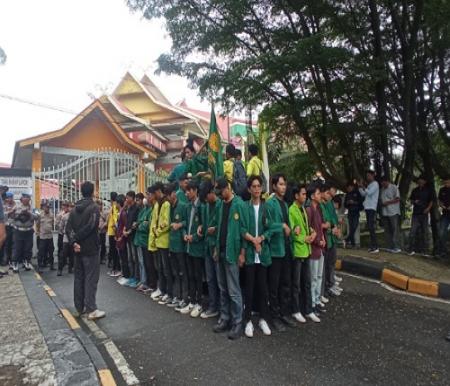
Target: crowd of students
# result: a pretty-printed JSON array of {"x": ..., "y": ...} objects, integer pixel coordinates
[{"x": 258, "y": 255}]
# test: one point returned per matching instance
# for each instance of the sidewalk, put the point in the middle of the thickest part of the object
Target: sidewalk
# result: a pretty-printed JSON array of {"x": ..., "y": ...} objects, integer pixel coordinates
[
  {"x": 417, "y": 266},
  {"x": 41, "y": 343},
  {"x": 24, "y": 355}
]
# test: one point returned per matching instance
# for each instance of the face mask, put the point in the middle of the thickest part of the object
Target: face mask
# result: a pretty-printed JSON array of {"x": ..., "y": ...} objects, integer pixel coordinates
[{"x": 144, "y": 201}]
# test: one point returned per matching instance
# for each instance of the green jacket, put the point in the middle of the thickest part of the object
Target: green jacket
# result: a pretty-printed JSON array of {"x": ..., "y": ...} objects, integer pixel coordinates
[
  {"x": 299, "y": 218},
  {"x": 236, "y": 229},
  {"x": 208, "y": 221},
  {"x": 181, "y": 196},
  {"x": 141, "y": 235},
  {"x": 329, "y": 214},
  {"x": 277, "y": 238},
  {"x": 263, "y": 230},
  {"x": 197, "y": 247},
  {"x": 177, "y": 215}
]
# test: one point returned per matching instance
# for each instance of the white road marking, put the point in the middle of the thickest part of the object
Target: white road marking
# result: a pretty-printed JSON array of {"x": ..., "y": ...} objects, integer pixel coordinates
[
  {"x": 395, "y": 290},
  {"x": 118, "y": 358}
]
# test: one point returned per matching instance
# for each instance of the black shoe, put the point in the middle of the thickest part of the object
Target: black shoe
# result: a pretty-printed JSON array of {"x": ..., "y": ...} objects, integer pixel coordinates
[
  {"x": 288, "y": 321},
  {"x": 221, "y": 326},
  {"x": 278, "y": 326},
  {"x": 447, "y": 338},
  {"x": 236, "y": 332},
  {"x": 59, "y": 272},
  {"x": 319, "y": 310}
]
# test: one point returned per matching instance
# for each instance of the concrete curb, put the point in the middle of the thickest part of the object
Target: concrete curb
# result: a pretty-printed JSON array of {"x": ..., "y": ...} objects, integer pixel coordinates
[
  {"x": 378, "y": 271},
  {"x": 103, "y": 372}
]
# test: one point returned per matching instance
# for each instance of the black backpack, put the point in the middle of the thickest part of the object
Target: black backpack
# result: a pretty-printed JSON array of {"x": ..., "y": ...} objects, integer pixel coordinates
[{"x": 239, "y": 179}]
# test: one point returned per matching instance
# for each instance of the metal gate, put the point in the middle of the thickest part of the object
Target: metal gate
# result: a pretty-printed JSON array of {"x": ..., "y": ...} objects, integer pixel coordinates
[{"x": 110, "y": 171}]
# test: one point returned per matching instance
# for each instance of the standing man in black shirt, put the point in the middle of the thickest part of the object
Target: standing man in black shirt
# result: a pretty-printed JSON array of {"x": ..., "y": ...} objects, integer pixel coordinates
[
  {"x": 422, "y": 198},
  {"x": 444, "y": 223}
]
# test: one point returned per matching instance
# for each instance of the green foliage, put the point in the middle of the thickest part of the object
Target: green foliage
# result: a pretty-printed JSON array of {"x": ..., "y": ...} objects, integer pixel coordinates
[{"x": 2, "y": 56}]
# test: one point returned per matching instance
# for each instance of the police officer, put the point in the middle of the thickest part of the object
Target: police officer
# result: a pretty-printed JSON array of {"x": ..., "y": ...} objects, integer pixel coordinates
[{"x": 24, "y": 217}]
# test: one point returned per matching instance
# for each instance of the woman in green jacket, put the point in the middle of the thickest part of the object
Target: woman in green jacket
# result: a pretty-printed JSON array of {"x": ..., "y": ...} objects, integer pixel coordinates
[
  {"x": 257, "y": 259},
  {"x": 302, "y": 237},
  {"x": 141, "y": 240}
]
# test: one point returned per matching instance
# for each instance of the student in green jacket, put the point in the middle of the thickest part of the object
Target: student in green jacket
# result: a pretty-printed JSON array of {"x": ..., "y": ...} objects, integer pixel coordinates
[
  {"x": 257, "y": 259},
  {"x": 331, "y": 230},
  {"x": 177, "y": 249},
  {"x": 150, "y": 257},
  {"x": 208, "y": 229},
  {"x": 141, "y": 240},
  {"x": 195, "y": 252},
  {"x": 280, "y": 250},
  {"x": 181, "y": 192},
  {"x": 302, "y": 237},
  {"x": 232, "y": 225}
]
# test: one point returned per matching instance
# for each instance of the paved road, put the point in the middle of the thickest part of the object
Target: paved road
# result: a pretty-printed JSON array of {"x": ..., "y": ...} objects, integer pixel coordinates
[{"x": 368, "y": 336}]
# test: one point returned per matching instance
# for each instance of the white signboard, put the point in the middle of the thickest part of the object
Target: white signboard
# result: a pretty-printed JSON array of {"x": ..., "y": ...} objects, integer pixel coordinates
[{"x": 18, "y": 185}]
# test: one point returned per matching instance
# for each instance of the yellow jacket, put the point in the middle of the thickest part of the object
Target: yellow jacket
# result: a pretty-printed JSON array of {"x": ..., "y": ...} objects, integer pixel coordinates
[
  {"x": 163, "y": 228},
  {"x": 228, "y": 169},
  {"x": 112, "y": 220},
  {"x": 152, "y": 228},
  {"x": 254, "y": 167}
]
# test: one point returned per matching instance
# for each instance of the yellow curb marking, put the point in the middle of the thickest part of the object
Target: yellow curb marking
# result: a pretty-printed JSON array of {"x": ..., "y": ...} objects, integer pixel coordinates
[
  {"x": 37, "y": 276},
  {"x": 394, "y": 278},
  {"x": 423, "y": 287},
  {"x": 338, "y": 265},
  {"x": 106, "y": 378},
  {"x": 50, "y": 292},
  {"x": 70, "y": 319}
]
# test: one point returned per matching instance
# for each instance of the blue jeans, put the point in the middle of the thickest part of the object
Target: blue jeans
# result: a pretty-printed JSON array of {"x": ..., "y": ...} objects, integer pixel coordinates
[
  {"x": 142, "y": 272},
  {"x": 444, "y": 224},
  {"x": 316, "y": 269},
  {"x": 230, "y": 291},
  {"x": 213, "y": 286}
]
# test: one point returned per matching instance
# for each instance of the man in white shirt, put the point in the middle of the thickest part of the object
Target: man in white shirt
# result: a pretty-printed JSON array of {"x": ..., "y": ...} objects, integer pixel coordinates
[
  {"x": 370, "y": 193},
  {"x": 390, "y": 201}
]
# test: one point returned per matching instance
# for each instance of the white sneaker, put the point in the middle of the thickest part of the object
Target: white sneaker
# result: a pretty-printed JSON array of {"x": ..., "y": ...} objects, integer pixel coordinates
[
  {"x": 312, "y": 316},
  {"x": 337, "y": 288},
  {"x": 337, "y": 279},
  {"x": 324, "y": 300},
  {"x": 27, "y": 265},
  {"x": 15, "y": 267},
  {"x": 264, "y": 327},
  {"x": 97, "y": 314},
  {"x": 299, "y": 317},
  {"x": 164, "y": 299},
  {"x": 156, "y": 294},
  {"x": 196, "y": 311},
  {"x": 334, "y": 291},
  {"x": 321, "y": 304},
  {"x": 122, "y": 280},
  {"x": 249, "y": 330},
  {"x": 187, "y": 310}
]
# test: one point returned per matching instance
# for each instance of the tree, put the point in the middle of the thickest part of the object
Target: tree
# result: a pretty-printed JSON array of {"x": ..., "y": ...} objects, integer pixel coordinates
[{"x": 363, "y": 83}]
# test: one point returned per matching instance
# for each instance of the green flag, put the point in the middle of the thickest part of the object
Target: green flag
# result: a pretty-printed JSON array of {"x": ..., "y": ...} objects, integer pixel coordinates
[{"x": 214, "y": 146}]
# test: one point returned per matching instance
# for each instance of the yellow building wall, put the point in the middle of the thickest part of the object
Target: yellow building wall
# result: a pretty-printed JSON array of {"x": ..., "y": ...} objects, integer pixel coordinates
[{"x": 90, "y": 134}]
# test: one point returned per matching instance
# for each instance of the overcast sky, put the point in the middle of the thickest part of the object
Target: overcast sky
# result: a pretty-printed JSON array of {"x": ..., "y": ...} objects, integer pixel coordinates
[{"x": 60, "y": 51}]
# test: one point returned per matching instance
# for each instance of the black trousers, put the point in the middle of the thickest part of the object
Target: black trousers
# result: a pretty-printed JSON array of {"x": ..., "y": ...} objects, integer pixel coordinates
[
  {"x": 124, "y": 262},
  {"x": 301, "y": 286},
  {"x": 60, "y": 244},
  {"x": 66, "y": 257},
  {"x": 256, "y": 287},
  {"x": 280, "y": 286},
  {"x": 86, "y": 275},
  {"x": 22, "y": 246},
  {"x": 167, "y": 272},
  {"x": 6, "y": 251},
  {"x": 195, "y": 273},
  {"x": 183, "y": 281},
  {"x": 353, "y": 222},
  {"x": 45, "y": 253},
  {"x": 150, "y": 269},
  {"x": 329, "y": 267},
  {"x": 102, "y": 237},
  {"x": 113, "y": 254}
]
